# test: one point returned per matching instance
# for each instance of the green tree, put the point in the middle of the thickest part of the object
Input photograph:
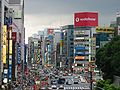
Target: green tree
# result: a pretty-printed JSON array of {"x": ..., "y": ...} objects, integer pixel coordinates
[
  {"x": 108, "y": 58},
  {"x": 105, "y": 85}
]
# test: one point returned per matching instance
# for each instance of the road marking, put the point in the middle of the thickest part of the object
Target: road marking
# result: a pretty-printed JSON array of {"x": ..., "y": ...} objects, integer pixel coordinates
[{"x": 76, "y": 88}]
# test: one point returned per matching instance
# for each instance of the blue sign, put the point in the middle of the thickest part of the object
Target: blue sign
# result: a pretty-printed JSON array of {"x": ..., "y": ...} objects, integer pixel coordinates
[
  {"x": 79, "y": 48},
  {"x": 18, "y": 54},
  {"x": 5, "y": 20},
  {"x": 62, "y": 35},
  {"x": 10, "y": 21},
  {"x": 10, "y": 71}
]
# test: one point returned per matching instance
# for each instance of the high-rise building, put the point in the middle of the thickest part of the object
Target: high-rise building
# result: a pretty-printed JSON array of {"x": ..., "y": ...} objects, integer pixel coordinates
[
  {"x": 11, "y": 23},
  {"x": 84, "y": 40},
  {"x": 68, "y": 46},
  {"x": 104, "y": 35},
  {"x": 18, "y": 28}
]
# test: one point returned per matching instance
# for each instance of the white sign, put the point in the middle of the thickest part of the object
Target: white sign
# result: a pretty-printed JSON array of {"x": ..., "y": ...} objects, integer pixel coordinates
[
  {"x": 5, "y": 71},
  {"x": 5, "y": 80}
]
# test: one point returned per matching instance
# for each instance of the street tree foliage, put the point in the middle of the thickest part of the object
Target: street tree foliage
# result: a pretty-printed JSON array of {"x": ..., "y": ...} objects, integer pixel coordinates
[
  {"x": 108, "y": 58},
  {"x": 105, "y": 85}
]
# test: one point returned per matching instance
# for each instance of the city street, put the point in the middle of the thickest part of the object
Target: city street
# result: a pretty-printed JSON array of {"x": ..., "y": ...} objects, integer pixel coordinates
[{"x": 59, "y": 44}]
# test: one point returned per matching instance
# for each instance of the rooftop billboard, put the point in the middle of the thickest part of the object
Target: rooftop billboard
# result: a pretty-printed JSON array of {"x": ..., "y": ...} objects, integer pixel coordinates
[{"x": 85, "y": 19}]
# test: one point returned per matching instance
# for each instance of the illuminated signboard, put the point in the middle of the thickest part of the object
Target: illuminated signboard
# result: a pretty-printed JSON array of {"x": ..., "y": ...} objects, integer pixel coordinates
[
  {"x": 10, "y": 46},
  {"x": 4, "y": 41},
  {"x": 4, "y": 34},
  {"x": 18, "y": 54},
  {"x": 4, "y": 54},
  {"x": 79, "y": 57},
  {"x": 105, "y": 29},
  {"x": 10, "y": 32},
  {"x": 10, "y": 67},
  {"x": 85, "y": 19},
  {"x": 5, "y": 72}
]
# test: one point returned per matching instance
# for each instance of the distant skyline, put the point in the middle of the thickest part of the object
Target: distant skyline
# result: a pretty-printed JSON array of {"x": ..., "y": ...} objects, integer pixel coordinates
[{"x": 40, "y": 14}]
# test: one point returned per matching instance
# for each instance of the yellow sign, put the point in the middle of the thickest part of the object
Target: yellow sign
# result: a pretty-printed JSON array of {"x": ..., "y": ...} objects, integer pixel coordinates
[
  {"x": 4, "y": 34},
  {"x": 4, "y": 54},
  {"x": 4, "y": 41},
  {"x": 105, "y": 29},
  {"x": 10, "y": 46},
  {"x": 10, "y": 33}
]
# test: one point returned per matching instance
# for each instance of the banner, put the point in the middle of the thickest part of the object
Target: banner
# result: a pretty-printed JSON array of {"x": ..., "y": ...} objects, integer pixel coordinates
[
  {"x": 86, "y": 19},
  {"x": 4, "y": 41},
  {"x": 18, "y": 54}
]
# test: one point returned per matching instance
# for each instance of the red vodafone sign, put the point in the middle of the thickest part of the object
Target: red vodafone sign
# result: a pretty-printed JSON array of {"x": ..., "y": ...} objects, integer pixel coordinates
[{"x": 86, "y": 19}]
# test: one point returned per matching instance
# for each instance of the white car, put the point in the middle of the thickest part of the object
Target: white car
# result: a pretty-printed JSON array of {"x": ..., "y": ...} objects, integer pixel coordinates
[
  {"x": 49, "y": 88},
  {"x": 54, "y": 87},
  {"x": 61, "y": 87}
]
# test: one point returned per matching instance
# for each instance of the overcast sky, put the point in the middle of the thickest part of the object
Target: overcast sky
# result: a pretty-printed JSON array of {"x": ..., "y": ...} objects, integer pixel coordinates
[{"x": 41, "y": 14}]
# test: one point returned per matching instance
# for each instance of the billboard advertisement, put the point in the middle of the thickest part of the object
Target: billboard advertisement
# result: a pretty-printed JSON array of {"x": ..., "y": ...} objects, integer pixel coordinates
[
  {"x": 10, "y": 67},
  {"x": 86, "y": 19},
  {"x": 18, "y": 54},
  {"x": 4, "y": 54},
  {"x": 79, "y": 57},
  {"x": 4, "y": 41},
  {"x": 4, "y": 34},
  {"x": 10, "y": 46},
  {"x": 105, "y": 29},
  {"x": 5, "y": 73}
]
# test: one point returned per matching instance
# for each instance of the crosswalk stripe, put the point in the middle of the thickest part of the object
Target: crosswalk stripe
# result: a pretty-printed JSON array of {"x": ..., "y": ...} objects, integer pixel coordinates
[{"x": 67, "y": 88}]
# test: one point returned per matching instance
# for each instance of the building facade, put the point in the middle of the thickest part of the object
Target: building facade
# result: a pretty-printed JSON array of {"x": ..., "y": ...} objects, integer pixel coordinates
[
  {"x": 67, "y": 41},
  {"x": 10, "y": 37}
]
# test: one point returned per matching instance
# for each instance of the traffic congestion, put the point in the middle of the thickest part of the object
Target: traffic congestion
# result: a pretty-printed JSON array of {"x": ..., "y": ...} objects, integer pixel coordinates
[{"x": 44, "y": 78}]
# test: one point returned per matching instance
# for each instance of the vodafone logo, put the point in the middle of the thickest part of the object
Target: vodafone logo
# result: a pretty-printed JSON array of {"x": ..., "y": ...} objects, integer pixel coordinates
[{"x": 85, "y": 19}]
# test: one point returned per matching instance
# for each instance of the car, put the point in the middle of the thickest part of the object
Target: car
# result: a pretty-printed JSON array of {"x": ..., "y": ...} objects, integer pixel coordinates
[
  {"x": 61, "y": 87},
  {"x": 61, "y": 80},
  {"x": 69, "y": 82},
  {"x": 54, "y": 82},
  {"x": 76, "y": 81},
  {"x": 69, "y": 74},
  {"x": 56, "y": 76},
  {"x": 54, "y": 87}
]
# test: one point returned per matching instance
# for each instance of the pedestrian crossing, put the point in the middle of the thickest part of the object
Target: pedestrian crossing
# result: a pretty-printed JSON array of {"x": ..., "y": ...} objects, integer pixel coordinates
[{"x": 76, "y": 88}]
